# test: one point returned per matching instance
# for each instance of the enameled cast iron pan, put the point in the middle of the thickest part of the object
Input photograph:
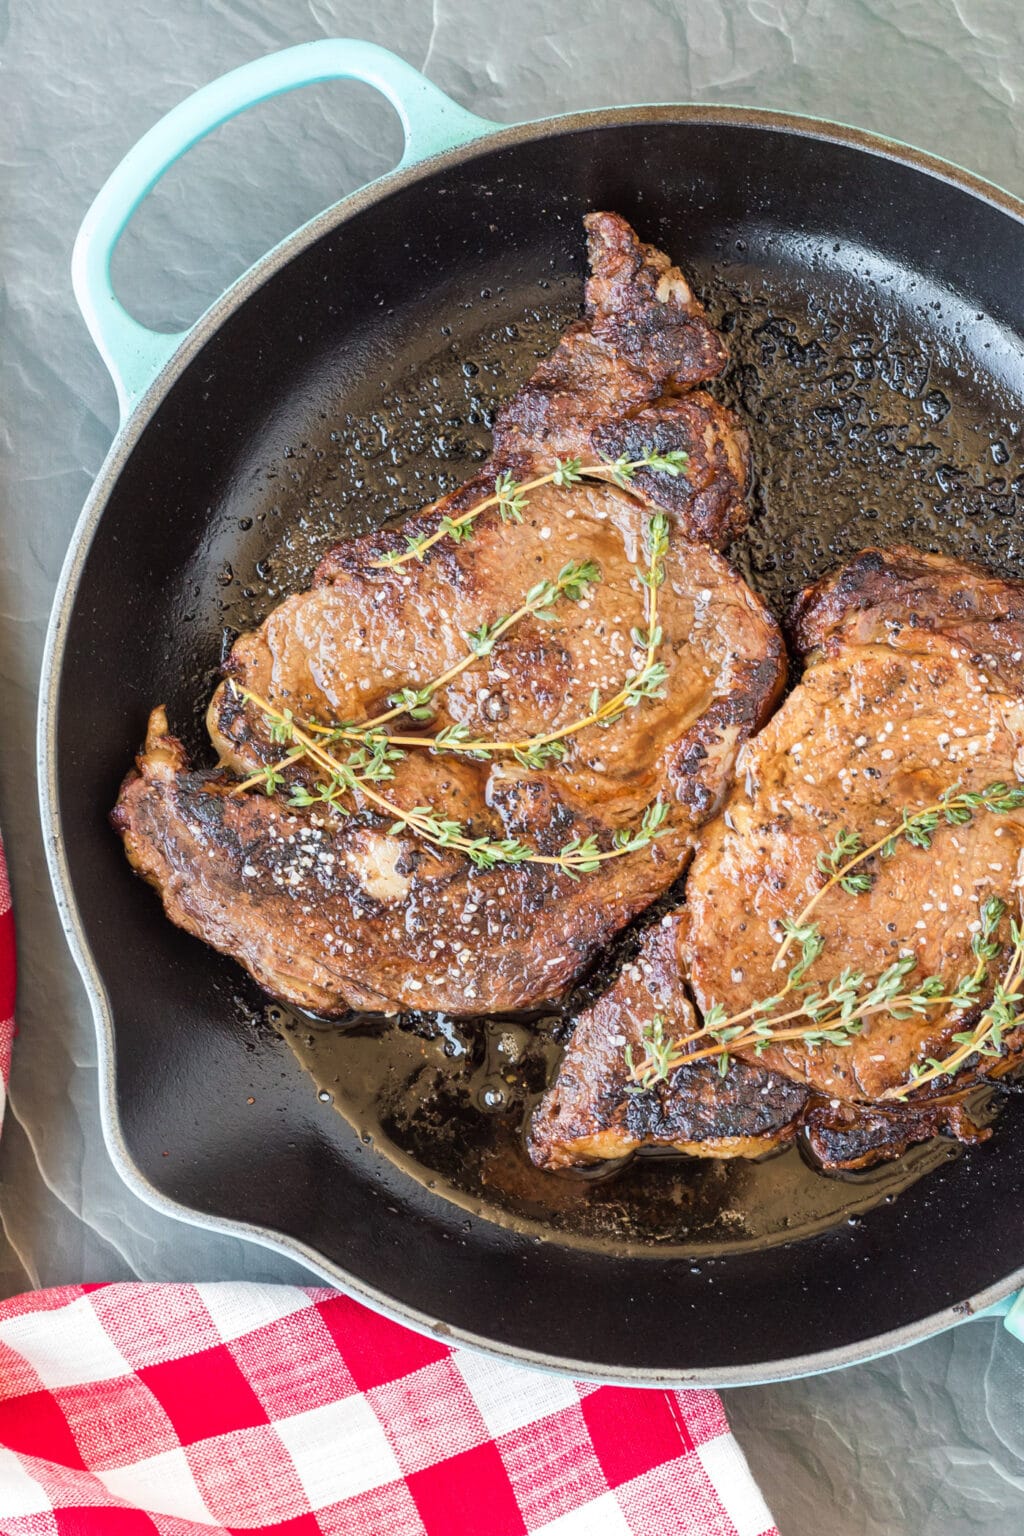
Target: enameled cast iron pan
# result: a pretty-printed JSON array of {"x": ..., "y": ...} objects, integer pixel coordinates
[{"x": 873, "y": 302}]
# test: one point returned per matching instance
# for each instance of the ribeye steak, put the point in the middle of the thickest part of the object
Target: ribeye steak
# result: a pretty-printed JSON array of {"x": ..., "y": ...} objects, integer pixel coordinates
[
  {"x": 331, "y": 911},
  {"x": 913, "y": 685}
]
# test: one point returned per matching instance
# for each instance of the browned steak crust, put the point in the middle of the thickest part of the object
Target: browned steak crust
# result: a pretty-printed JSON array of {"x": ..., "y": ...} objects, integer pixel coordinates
[
  {"x": 592, "y": 1114},
  {"x": 848, "y": 1137},
  {"x": 374, "y": 921},
  {"x": 915, "y": 603}
]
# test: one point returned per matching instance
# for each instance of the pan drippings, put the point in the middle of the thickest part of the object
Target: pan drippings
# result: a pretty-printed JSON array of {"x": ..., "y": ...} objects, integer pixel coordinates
[{"x": 446, "y": 1100}]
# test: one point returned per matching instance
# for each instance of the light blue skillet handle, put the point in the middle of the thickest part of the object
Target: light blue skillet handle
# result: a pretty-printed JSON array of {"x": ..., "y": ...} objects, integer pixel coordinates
[
  {"x": 432, "y": 123},
  {"x": 1011, "y": 1310}
]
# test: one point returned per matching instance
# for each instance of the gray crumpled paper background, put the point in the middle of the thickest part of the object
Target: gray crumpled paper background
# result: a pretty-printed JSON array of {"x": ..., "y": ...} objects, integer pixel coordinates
[{"x": 926, "y": 1443}]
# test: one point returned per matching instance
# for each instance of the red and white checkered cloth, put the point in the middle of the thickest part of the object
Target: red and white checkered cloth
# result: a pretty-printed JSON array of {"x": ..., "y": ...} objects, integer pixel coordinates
[
  {"x": 6, "y": 981},
  {"x": 203, "y": 1410}
]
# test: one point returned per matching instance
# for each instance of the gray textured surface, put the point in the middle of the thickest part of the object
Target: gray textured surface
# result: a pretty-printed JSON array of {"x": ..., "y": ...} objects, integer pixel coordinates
[{"x": 927, "y": 1443}]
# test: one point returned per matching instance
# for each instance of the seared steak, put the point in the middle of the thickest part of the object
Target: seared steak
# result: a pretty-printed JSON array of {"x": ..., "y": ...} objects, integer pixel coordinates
[
  {"x": 331, "y": 912},
  {"x": 913, "y": 684},
  {"x": 593, "y": 1114}
]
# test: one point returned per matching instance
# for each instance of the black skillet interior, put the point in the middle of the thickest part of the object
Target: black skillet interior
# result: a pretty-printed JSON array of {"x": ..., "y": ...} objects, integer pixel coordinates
[{"x": 874, "y": 317}]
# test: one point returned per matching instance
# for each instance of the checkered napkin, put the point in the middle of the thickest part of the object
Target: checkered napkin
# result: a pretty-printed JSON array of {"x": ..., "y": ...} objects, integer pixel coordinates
[
  {"x": 203, "y": 1410},
  {"x": 6, "y": 981}
]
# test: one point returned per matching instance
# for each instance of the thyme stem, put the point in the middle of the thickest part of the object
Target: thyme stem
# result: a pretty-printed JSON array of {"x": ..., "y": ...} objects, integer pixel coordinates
[
  {"x": 955, "y": 807},
  {"x": 837, "y": 1014},
  {"x": 578, "y": 856},
  {"x": 510, "y": 497}
]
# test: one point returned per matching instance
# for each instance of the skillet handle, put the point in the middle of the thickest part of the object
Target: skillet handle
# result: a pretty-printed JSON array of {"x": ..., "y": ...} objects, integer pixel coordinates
[
  {"x": 136, "y": 355},
  {"x": 1011, "y": 1310}
]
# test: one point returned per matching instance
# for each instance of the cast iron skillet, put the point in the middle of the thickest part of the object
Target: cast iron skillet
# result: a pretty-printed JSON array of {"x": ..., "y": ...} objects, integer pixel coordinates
[{"x": 873, "y": 300}]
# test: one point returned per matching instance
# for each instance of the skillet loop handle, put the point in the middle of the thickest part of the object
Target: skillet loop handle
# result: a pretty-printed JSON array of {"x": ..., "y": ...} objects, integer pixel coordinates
[
  {"x": 432, "y": 123},
  {"x": 1013, "y": 1318},
  {"x": 1011, "y": 1310}
]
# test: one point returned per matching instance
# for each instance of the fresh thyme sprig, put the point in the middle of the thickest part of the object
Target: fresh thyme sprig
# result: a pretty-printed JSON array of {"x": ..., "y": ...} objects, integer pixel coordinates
[
  {"x": 573, "y": 582},
  {"x": 537, "y": 751},
  {"x": 372, "y": 764},
  {"x": 510, "y": 497},
  {"x": 837, "y": 1014},
  {"x": 659, "y": 1050},
  {"x": 841, "y": 863},
  {"x": 1003, "y": 1015}
]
